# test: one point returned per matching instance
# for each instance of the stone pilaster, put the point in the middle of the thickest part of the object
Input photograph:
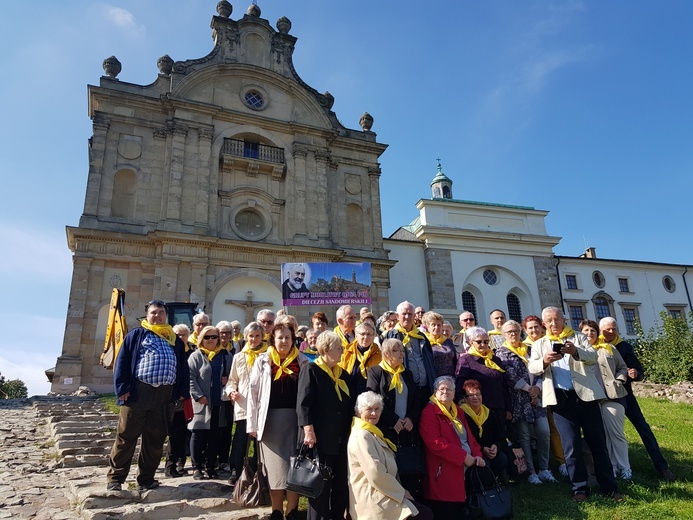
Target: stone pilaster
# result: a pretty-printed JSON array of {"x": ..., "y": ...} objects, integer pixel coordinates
[
  {"x": 547, "y": 281},
  {"x": 299, "y": 223},
  {"x": 97, "y": 151},
  {"x": 322, "y": 160},
  {"x": 441, "y": 288},
  {"x": 375, "y": 222},
  {"x": 204, "y": 186},
  {"x": 179, "y": 133}
]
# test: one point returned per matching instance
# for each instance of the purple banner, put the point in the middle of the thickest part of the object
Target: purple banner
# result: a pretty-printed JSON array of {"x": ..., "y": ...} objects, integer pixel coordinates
[{"x": 334, "y": 283}]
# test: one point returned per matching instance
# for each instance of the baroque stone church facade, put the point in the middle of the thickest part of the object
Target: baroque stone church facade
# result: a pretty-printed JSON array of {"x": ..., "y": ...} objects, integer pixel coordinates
[{"x": 202, "y": 183}]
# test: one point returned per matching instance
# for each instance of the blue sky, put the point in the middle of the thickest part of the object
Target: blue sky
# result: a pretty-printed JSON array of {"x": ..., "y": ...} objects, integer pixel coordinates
[{"x": 579, "y": 108}]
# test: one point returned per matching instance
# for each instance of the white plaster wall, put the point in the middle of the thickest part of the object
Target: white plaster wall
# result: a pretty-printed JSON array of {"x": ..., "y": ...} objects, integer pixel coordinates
[
  {"x": 408, "y": 277},
  {"x": 237, "y": 289}
]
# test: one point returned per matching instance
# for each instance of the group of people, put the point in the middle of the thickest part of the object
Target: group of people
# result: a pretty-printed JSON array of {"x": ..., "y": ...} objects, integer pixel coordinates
[{"x": 373, "y": 396}]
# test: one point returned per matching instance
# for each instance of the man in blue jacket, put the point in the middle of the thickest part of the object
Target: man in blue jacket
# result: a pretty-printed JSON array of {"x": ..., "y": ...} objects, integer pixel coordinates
[{"x": 150, "y": 372}]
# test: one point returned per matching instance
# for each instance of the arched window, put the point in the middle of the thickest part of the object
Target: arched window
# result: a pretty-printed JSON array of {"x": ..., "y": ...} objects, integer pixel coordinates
[
  {"x": 514, "y": 308},
  {"x": 123, "y": 200},
  {"x": 469, "y": 303},
  {"x": 601, "y": 307}
]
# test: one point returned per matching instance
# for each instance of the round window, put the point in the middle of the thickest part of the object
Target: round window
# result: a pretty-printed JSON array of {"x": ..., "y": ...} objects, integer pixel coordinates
[
  {"x": 669, "y": 284},
  {"x": 490, "y": 277},
  {"x": 254, "y": 99},
  {"x": 598, "y": 279},
  {"x": 250, "y": 224}
]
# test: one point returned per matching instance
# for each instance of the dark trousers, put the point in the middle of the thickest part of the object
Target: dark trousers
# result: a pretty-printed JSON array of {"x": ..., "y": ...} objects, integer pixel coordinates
[
  {"x": 177, "y": 440},
  {"x": 144, "y": 417},
  {"x": 204, "y": 444},
  {"x": 239, "y": 447},
  {"x": 334, "y": 499},
  {"x": 225, "y": 433},
  {"x": 571, "y": 414},
  {"x": 639, "y": 422},
  {"x": 440, "y": 510}
]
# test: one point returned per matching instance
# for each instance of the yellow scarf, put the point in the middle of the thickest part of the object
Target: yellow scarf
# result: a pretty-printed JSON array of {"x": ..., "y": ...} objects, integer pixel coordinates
[
  {"x": 163, "y": 331},
  {"x": 494, "y": 332},
  {"x": 357, "y": 422},
  {"x": 251, "y": 354},
  {"x": 601, "y": 343},
  {"x": 520, "y": 351},
  {"x": 310, "y": 350},
  {"x": 487, "y": 358},
  {"x": 450, "y": 415},
  {"x": 211, "y": 353},
  {"x": 436, "y": 342},
  {"x": 238, "y": 337},
  {"x": 527, "y": 341},
  {"x": 283, "y": 365},
  {"x": 334, "y": 373},
  {"x": 618, "y": 339},
  {"x": 354, "y": 353},
  {"x": 406, "y": 336},
  {"x": 396, "y": 379},
  {"x": 345, "y": 341},
  {"x": 480, "y": 419},
  {"x": 567, "y": 332}
]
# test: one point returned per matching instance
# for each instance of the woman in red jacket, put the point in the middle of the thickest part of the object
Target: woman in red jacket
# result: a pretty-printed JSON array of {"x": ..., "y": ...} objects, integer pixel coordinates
[{"x": 449, "y": 448}]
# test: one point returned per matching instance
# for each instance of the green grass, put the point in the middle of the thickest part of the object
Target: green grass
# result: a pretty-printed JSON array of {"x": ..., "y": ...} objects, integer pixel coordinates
[
  {"x": 646, "y": 497},
  {"x": 109, "y": 403}
]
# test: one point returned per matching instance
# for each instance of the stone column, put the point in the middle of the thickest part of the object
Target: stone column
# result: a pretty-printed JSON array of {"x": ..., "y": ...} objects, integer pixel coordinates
[
  {"x": 205, "y": 205},
  {"x": 547, "y": 281},
  {"x": 300, "y": 221},
  {"x": 322, "y": 159},
  {"x": 179, "y": 133},
  {"x": 441, "y": 287},
  {"x": 376, "y": 223},
  {"x": 97, "y": 150},
  {"x": 198, "y": 282}
]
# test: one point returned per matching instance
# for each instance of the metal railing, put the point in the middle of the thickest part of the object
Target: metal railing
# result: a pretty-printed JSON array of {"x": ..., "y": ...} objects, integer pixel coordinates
[{"x": 262, "y": 152}]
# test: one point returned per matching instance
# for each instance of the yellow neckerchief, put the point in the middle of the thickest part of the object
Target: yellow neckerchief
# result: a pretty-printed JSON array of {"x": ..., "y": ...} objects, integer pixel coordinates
[
  {"x": 345, "y": 341},
  {"x": 618, "y": 339},
  {"x": 439, "y": 342},
  {"x": 527, "y": 341},
  {"x": 602, "y": 343},
  {"x": 450, "y": 415},
  {"x": 283, "y": 365},
  {"x": 567, "y": 332},
  {"x": 354, "y": 353},
  {"x": 251, "y": 354},
  {"x": 237, "y": 337},
  {"x": 163, "y": 331},
  {"x": 520, "y": 351},
  {"x": 406, "y": 336},
  {"x": 310, "y": 350},
  {"x": 211, "y": 353},
  {"x": 463, "y": 331},
  {"x": 480, "y": 419},
  {"x": 357, "y": 422},
  {"x": 396, "y": 378},
  {"x": 228, "y": 347},
  {"x": 193, "y": 338},
  {"x": 334, "y": 373},
  {"x": 494, "y": 332},
  {"x": 487, "y": 358}
]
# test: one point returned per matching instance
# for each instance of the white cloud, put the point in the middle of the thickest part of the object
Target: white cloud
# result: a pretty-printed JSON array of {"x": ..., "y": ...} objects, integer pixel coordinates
[
  {"x": 123, "y": 19},
  {"x": 34, "y": 253}
]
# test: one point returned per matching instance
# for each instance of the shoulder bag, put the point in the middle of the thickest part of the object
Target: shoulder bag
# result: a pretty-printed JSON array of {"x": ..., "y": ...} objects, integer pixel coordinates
[
  {"x": 252, "y": 488},
  {"x": 307, "y": 476},
  {"x": 486, "y": 497}
]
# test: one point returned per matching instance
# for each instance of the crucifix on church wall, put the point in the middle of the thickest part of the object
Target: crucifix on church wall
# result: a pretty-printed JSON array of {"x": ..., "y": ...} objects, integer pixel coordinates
[{"x": 249, "y": 305}]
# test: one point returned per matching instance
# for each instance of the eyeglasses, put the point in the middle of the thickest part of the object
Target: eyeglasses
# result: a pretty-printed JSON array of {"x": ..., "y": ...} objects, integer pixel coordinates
[
  {"x": 481, "y": 341},
  {"x": 211, "y": 336},
  {"x": 225, "y": 332},
  {"x": 445, "y": 390},
  {"x": 513, "y": 332},
  {"x": 397, "y": 351},
  {"x": 467, "y": 319},
  {"x": 267, "y": 322},
  {"x": 473, "y": 396}
]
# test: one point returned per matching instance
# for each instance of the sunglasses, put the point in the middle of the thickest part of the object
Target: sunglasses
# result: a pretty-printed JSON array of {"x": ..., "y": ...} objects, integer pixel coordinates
[
  {"x": 156, "y": 303},
  {"x": 481, "y": 341},
  {"x": 211, "y": 336}
]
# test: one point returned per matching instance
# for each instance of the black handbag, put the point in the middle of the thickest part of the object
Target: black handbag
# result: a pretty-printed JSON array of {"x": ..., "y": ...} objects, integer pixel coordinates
[
  {"x": 410, "y": 456},
  {"x": 307, "y": 476},
  {"x": 252, "y": 488},
  {"x": 486, "y": 497}
]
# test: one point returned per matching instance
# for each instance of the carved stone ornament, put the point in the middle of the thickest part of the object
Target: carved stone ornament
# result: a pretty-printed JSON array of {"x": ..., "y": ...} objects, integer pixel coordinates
[
  {"x": 165, "y": 64},
  {"x": 284, "y": 25},
  {"x": 329, "y": 99},
  {"x": 112, "y": 67},
  {"x": 254, "y": 10},
  {"x": 224, "y": 9},
  {"x": 366, "y": 122}
]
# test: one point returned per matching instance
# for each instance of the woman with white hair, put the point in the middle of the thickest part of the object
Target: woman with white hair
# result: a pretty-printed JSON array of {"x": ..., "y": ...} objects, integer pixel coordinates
[
  {"x": 325, "y": 408},
  {"x": 374, "y": 491}
]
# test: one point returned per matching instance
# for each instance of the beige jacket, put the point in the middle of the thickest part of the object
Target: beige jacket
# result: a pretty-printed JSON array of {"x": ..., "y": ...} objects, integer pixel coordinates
[
  {"x": 374, "y": 491},
  {"x": 614, "y": 373},
  {"x": 239, "y": 381},
  {"x": 584, "y": 379}
]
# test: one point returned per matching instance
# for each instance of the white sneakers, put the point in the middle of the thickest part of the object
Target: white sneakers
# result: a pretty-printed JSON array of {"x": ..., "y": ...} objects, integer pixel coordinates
[
  {"x": 534, "y": 479},
  {"x": 563, "y": 470},
  {"x": 627, "y": 474},
  {"x": 545, "y": 475}
]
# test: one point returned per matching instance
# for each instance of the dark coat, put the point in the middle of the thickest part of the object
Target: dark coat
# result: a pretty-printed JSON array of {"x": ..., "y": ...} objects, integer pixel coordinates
[
  {"x": 318, "y": 404},
  {"x": 628, "y": 354},
  {"x": 426, "y": 354},
  {"x": 494, "y": 384},
  {"x": 126, "y": 364},
  {"x": 379, "y": 382}
]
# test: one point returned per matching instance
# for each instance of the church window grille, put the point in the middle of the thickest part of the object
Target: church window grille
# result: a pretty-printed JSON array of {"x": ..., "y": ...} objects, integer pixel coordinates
[
  {"x": 469, "y": 303},
  {"x": 250, "y": 224},
  {"x": 623, "y": 285},
  {"x": 571, "y": 281},
  {"x": 490, "y": 277},
  {"x": 514, "y": 307},
  {"x": 254, "y": 99},
  {"x": 577, "y": 314},
  {"x": 601, "y": 308},
  {"x": 630, "y": 315}
]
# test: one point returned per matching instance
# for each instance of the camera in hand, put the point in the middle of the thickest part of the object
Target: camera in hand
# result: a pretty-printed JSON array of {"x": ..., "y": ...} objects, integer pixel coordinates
[{"x": 557, "y": 347}]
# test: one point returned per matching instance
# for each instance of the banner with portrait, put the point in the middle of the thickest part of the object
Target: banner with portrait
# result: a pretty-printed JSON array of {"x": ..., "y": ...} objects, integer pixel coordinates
[{"x": 334, "y": 283}]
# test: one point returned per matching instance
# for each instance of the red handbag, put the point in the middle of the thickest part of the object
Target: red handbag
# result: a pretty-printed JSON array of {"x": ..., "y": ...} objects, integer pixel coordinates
[{"x": 188, "y": 410}]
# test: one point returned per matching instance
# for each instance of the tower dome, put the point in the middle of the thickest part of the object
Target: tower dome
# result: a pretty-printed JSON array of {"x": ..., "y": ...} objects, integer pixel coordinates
[{"x": 441, "y": 185}]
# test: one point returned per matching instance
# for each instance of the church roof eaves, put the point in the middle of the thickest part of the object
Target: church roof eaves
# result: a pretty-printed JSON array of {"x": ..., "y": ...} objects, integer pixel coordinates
[{"x": 477, "y": 203}]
